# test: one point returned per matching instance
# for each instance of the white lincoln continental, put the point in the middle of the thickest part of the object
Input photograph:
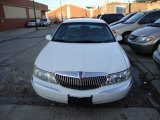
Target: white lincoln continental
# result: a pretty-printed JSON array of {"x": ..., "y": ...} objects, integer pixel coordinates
[{"x": 82, "y": 60}]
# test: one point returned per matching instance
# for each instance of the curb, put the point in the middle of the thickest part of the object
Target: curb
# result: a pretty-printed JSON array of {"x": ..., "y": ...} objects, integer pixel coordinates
[{"x": 149, "y": 81}]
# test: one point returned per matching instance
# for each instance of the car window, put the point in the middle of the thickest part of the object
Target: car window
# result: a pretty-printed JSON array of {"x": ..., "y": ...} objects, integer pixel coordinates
[
  {"x": 158, "y": 21},
  {"x": 83, "y": 32},
  {"x": 126, "y": 17},
  {"x": 43, "y": 19},
  {"x": 150, "y": 18},
  {"x": 103, "y": 17},
  {"x": 32, "y": 21},
  {"x": 135, "y": 17},
  {"x": 119, "y": 16}
]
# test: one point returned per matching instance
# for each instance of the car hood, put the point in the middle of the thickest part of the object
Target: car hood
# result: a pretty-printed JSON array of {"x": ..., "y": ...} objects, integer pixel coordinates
[
  {"x": 119, "y": 26},
  {"x": 91, "y": 57},
  {"x": 146, "y": 31}
]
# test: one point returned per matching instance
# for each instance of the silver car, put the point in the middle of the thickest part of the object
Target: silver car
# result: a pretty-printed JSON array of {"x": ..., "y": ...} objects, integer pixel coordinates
[
  {"x": 139, "y": 20},
  {"x": 32, "y": 22},
  {"x": 156, "y": 57},
  {"x": 145, "y": 40}
]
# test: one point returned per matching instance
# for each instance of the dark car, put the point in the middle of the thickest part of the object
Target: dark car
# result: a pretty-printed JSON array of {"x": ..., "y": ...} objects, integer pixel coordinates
[
  {"x": 156, "y": 57},
  {"x": 110, "y": 18},
  {"x": 98, "y": 16},
  {"x": 44, "y": 22},
  {"x": 123, "y": 19}
]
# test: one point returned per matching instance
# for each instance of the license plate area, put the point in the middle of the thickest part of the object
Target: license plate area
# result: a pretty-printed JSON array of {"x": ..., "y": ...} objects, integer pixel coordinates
[{"x": 79, "y": 101}]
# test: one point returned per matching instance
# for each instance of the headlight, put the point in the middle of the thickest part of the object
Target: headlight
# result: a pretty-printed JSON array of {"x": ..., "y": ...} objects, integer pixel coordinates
[
  {"x": 44, "y": 75},
  {"x": 118, "y": 77},
  {"x": 145, "y": 39}
]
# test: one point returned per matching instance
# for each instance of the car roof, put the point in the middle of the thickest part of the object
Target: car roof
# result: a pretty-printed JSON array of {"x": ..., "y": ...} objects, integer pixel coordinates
[
  {"x": 113, "y": 14},
  {"x": 84, "y": 20},
  {"x": 149, "y": 11}
]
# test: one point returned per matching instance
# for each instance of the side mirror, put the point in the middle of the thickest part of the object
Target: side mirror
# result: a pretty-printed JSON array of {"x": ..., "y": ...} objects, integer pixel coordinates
[
  {"x": 118, "y": 38},
  {"x": 49, "y": 37}
]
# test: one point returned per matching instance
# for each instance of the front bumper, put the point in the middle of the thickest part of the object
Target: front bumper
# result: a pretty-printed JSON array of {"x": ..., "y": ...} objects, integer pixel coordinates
[
  {"x": 141, "y": 48},
  {"x": 100, "y": 95}
]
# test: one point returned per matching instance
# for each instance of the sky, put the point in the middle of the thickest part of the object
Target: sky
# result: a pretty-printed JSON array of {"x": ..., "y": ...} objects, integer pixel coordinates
[{"x": 52, "y": 4}]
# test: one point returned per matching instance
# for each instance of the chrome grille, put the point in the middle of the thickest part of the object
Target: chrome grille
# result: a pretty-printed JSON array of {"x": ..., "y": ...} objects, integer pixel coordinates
[
  {"x": 80, "y": 84},
  {"x": 133, "y": 37}
]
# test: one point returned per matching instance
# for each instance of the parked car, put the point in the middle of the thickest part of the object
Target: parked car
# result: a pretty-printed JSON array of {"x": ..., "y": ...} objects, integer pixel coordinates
[
  {"x": 110, "y": 18},
  {"x": 122, "y": 20},
  {"x": 44, "y": 22},
  {"x": 146, "y": 39},
  {"x": 98, "y": 16},
  {"x": 32, "y": 23},
  {"x": 82, "y": 60},
  {"x": 141, "y": 19},
  {"x": 156, "y": 57},
  {"x": 55, "y": 21}
]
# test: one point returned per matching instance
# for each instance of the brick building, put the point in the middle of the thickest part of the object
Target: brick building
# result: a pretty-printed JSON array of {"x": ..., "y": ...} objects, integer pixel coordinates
[
  {"x": 110, "y": 8},
  {"x": 73, "y": 11},
  {"x": 67, "y": 11},
  {"x": 124, "y": 8},
  {"x": 16, "y": 13}
]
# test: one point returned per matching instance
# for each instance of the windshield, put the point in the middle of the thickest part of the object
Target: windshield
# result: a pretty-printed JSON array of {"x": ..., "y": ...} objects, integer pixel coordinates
[
  {"x": 43, "y": 19},
  {"x": 155, "y": 24},
  {"x": 134, "y": 18},
  {"x": 126, "y": 17},
  {"x": 83, "y": 33}
]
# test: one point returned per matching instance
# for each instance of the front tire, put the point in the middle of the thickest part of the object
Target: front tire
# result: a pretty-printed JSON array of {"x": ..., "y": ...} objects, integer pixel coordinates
[{"x": 125, "y": 37}]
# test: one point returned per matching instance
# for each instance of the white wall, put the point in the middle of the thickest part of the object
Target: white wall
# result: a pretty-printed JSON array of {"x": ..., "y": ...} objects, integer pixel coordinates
[
  {"x": 31, "y": 13},
  {"x": 68, "y": 11},
  {"x": 14, "y": 12}
]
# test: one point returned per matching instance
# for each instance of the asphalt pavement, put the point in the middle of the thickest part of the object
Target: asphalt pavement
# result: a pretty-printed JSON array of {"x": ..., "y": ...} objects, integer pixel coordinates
[{"x": 28, "y": 112}]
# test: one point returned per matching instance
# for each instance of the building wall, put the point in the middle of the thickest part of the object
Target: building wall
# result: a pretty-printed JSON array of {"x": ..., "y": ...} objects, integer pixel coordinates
[
  {"x": 8, "y": 24},
  {"x": 68, "y": 11},
  {"x": 57, "y": 13},
  {"x": 31, "y": 13},
  {"x": 79, "y": 12},
  {"x": 72, "y": 11},
  {"x": 152, "y": 6},
  {"x": 1, "y": 11},
  {"x": 16, "y": 13},
  {"x": 109, "y": 8},
  {"x": 25, "y": 3},
  {"x": 136, "y": 7}
]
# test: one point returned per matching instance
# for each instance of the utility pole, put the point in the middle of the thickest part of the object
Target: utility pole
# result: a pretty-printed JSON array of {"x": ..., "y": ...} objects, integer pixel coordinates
[
  {"x": 105, "y": 7},
  {"x": 98, "y": 10},
  {"x": 61, "y": 10},
  {"x": 86, "y": 13},
  {"x": 129, "y": 6},
  {"x": 35, "y": 14}
]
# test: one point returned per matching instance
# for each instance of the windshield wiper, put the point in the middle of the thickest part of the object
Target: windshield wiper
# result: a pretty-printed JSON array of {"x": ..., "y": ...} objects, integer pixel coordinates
[
  {"x": 78, "y": 41},
  {"x": 88, "y": 41}
]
